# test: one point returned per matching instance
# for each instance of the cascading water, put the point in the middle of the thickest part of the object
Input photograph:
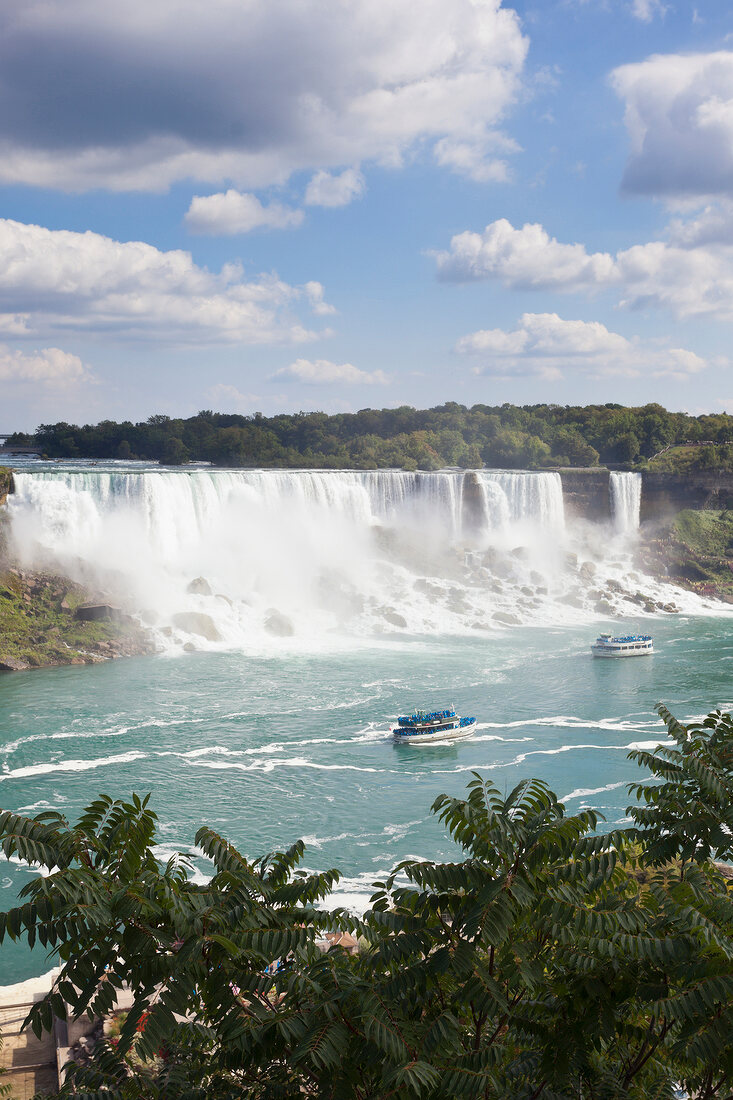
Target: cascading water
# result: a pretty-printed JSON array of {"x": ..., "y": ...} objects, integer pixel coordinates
[
  {"x": 625, "y": 501},
  {"x": 302, "y": 554},
  {"x": 536, "y": 497}
]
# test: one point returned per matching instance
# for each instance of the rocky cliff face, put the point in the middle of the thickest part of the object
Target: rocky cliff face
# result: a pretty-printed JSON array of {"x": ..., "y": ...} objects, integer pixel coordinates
[
  {"x": 6, "y": 483},
  {"x": 663, "y": 495},
  {"x": 587, "y": 494},
  {"x": 473, "y": 502}
]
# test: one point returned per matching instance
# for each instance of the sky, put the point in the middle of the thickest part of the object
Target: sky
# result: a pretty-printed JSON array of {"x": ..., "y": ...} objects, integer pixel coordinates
[{"x": 283, "y": 205}]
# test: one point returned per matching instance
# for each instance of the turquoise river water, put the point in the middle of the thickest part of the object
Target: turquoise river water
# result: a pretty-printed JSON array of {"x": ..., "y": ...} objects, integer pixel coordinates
[{"x": 268, "y": 750}]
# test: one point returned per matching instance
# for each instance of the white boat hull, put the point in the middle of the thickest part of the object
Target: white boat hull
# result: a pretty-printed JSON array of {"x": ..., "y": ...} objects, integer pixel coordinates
[
  {"x": 428, "y": 737},
  {"x": 603, "y": 651}
]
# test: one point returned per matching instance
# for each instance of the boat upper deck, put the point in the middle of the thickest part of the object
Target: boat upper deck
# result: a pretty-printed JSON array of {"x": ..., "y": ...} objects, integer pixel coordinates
[{"x": 424, "y": 717}]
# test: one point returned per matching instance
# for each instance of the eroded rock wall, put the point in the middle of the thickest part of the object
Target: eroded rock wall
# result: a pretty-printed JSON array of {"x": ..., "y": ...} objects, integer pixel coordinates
[
  {"x": 587, "y": 494},
  {"x": 663, "y": 495}
]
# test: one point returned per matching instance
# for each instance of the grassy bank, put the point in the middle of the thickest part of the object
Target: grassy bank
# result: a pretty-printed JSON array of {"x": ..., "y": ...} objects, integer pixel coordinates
[{"x": 39, "y": 624}]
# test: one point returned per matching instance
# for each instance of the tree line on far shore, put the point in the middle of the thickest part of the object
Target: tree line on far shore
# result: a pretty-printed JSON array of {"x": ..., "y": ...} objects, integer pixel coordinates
[
  {"x": 504, "y": 436},
  {"x": 549, "y": 960}
]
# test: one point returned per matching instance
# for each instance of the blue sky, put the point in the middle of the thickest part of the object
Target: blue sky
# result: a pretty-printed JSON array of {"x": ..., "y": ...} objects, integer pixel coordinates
[{"x": 332, "y": 204}]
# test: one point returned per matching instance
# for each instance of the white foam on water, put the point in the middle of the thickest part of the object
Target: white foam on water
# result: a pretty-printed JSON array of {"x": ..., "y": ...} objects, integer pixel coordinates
[
  {"x": 27, "y": 865},
  {"x": 586, "y": 792},
  {"x": 164, "y": 852},
  {"x": 271, "y": 765},
  {"x": 522, "y": 758},
  {"x": 71, "y": 765},
  {"x": 13, "y": 746},
  {"x": 505, "y": 740},
  {"x": 563, "y": 721}
]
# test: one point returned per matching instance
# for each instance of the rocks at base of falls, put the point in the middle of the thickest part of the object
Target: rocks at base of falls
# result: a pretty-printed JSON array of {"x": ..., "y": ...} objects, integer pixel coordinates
[
  {"x": 506, "y": 618},
  {"x": 96, "y": 612},
  {"x": 278, "y": 624},
  {"x": 13, "y": 664},
  {"x": 199, "y": 586},
  {"x": 428, "y": 588},
  {"x": 639, "y": 598},
  {"x": 197, "y": 622},
  {"x": 456, "y": 601},
  {"x": 393, "y": 617}
]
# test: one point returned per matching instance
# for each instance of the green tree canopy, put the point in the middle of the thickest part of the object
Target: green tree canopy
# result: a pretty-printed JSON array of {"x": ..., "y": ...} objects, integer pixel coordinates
[
  {"x": 507, "y": 436},
  {"x": 549, "y": 960}
]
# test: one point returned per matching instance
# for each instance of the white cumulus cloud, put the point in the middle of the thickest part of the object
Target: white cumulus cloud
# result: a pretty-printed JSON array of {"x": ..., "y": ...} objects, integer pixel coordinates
[
  {"x": 691, "y": 274},
  {"x": 231, "y": 212},
  {"x": 679, "y": 115},
  {"x": 526, "y": 258},
  {"x": 325, "y": 189},
  {"x": 57, "y": 280},
  {"x": 248, "y": 93},
  {"x": 546, "y": 345},
  {"x": 48, "y": 367},
  {"x": 710, "y": 226},
  {"x": 316, "y": 372}
]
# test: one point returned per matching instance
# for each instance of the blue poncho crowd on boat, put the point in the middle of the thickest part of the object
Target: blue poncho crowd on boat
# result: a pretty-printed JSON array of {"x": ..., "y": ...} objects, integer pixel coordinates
[{"x": 420, "y": 717}]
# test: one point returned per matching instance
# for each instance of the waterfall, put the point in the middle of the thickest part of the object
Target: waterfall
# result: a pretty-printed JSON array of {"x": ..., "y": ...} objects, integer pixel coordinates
[
  {"x": 306, "y": 553},
  {"x": 68, "y": 508},
  {"x": 625, "y": 501},
  {"x": 529, "y": 496}
]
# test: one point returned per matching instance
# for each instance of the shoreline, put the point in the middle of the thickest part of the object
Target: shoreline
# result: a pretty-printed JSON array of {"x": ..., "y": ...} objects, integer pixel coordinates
[{"x": 29, "y": 990}]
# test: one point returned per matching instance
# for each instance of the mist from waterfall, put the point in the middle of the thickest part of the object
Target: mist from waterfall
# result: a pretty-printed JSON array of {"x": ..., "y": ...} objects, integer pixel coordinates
[{"x": 287, "y": 558}]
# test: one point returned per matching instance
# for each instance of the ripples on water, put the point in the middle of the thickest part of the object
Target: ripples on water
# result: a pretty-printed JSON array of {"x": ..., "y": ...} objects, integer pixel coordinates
[
  {"x": 270, "y": 739},
  {"x": 268, "y": 750}
]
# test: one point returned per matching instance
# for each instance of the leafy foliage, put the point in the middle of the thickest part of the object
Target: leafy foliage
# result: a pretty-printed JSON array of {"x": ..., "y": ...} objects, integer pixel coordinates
[
  {"x": 688, "y": 813},
  {"x": 448, "y": 435},
  {"x": 552, "y": 960}
]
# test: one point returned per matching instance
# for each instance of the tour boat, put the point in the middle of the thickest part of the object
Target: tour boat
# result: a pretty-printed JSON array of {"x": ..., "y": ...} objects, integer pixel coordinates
[
  {"x": 628, "y": 645},
  {"x": 425, "y": 727}
]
